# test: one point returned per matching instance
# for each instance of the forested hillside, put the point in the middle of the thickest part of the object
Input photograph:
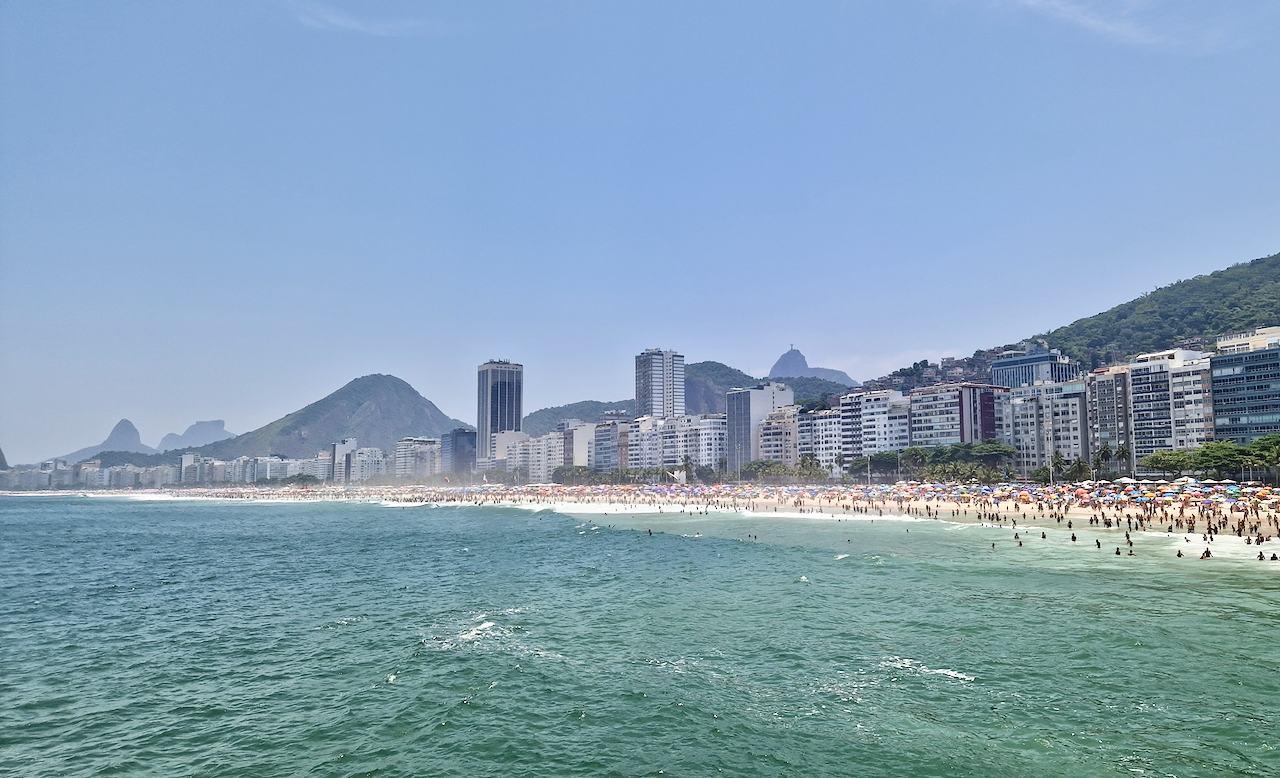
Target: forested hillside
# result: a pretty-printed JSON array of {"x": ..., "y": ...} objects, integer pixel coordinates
[{"x": 1236, "y": 299}]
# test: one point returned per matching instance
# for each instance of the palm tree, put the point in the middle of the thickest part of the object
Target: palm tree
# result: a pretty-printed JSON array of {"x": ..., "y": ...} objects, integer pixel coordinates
[
  {"x": 1105, "y": 455},
  {"x": 1079, "y": 470},
  {"x": 1125, "y": 457},
  {"x": 1057, "y": 463}
]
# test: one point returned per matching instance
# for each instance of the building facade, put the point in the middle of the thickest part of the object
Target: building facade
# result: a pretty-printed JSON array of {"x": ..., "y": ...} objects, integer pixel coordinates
[
  {"x": 779, "y": 436},
  {"x": 947, "y": 414},
  {"x": 418, "y": 458},
  {"x": 1151, "y": 401},
  {"x": 1049, "y": 418},
  {"x": 499, "y": 407},
  {"x": 747, "y": 408},
  {"x": 458, "y": 451},
  {"x": 659, "y": 383},
  {"x": 1246, "y": 388},
  {"x": 821, "y": 435},
  {"x": 1037, "y": 366}
]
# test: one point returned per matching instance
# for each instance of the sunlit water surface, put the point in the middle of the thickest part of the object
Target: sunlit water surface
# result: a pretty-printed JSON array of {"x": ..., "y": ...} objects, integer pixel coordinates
[{"x": 240, "y": 639}]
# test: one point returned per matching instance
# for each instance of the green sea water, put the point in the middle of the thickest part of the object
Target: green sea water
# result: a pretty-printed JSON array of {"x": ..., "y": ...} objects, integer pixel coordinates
[{"x": 257, "y": 639}]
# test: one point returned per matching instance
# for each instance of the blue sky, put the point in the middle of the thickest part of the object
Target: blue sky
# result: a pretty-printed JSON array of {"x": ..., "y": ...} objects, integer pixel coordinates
[{"x": 227, "y": 210}]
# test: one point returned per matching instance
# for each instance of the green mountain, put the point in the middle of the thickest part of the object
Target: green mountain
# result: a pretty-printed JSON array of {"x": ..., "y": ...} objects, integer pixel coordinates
[
  {"x": 706, "y": 386},
  {"x": 541, "y": 422},
  {"x": 1236, "y": 299},
  {"x": 376, "y": 410}
]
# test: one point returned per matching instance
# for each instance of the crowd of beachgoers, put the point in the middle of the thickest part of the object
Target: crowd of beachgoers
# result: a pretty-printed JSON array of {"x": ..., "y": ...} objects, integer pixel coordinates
[{"x": 1186, "y": 506}]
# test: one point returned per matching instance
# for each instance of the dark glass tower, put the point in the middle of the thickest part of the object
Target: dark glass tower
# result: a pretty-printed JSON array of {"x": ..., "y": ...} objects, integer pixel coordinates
[{"x": 499, "y": 404}]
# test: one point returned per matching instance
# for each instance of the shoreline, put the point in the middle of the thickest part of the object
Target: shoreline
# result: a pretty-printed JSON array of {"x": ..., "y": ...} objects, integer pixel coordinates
[{"x": 788, "y": 504}]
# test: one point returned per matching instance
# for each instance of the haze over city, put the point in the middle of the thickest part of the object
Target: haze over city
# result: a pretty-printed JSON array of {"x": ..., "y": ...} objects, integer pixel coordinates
[{"x": 226, "y": 211}]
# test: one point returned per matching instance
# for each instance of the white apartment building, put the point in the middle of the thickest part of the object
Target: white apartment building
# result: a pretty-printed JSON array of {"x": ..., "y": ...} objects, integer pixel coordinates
[
  {"x": 779, "y": 436},
  {"x": 417, "y": 458},
  {"x": 946, "y": 414},
  {"x": 367, "y": 463},
  {"x": 579, "y": 442},
  {"x": 659, "y": 383},
  {"x": 700, "y": 438},
  {"x": 1257, "y": 340},
  {"x": 1151, "y": 401},
  {"x": 874, "y": 422},
  {"x": 1048, "y": 418},
  {"x": 821, "y": 433},
  {"x": 1192, "y": 389},
  {"x": 541, "y": 456},
  {"x": 643, "y": 443}
]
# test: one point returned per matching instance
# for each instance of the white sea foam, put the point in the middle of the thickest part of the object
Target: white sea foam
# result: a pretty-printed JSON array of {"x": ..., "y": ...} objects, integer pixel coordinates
[
  {"x": 841, "y": 556},
  {"x": 476, "y": 632},
  {"x": 899, "y": 663}
]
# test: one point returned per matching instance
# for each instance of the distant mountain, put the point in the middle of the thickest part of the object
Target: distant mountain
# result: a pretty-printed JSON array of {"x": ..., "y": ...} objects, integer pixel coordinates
[
  {"x": 707, "y": 384},
  {"x": 199, "y": 434},
  {"x": 376, "y": 410},
  {"x": 124, "y": 437},
  {"x": 591, "y": 411},
  {"x": 794, "y": 364},
  {"x": 4, "y": 465},
  {"x": 1239, "y": 298}
]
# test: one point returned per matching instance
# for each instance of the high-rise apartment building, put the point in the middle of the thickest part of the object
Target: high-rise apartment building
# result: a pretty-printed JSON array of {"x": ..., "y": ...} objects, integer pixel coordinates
[
  {"x": 821, "y": 434},
  {"x": 499, "y": 406},
  {"x": 417, "y": 457},
  {"x": 1151, "y": 401},
  {"x": 1107, "y": 392},
  {"x": 1049, "y": 418},
  {"x": 874, "y": 421},
  {"x": 659, "y": 383},
  {"x": 947, "y": 414},
  {"x": 747, "y": 409},
  {"x": 1246, "y": 386}
]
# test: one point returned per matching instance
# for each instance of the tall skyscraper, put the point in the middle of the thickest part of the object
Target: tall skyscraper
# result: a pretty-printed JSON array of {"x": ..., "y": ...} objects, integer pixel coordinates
[
  {"x": 659, "y": 383},
  {"x": 499, "y": 405}
]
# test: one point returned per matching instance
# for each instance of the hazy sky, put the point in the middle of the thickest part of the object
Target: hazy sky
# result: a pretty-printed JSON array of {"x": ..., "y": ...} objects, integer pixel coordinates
[{"x": 229, "y": 209}]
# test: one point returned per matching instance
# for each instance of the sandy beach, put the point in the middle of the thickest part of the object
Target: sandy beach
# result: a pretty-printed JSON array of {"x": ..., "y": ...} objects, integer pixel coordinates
[{"x": 1238, "y": 526}]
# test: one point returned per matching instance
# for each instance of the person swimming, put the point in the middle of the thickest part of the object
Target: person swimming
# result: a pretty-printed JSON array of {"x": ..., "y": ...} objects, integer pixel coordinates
[
  {"x": 1099, "y": 542},
  {"x": 1179, "y": 553},
  {"x": 1117, "y": 551}
]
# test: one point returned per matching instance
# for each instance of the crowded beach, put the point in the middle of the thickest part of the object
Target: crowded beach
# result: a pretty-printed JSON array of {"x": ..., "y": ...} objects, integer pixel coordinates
[{"x": 1203, "y": 511}]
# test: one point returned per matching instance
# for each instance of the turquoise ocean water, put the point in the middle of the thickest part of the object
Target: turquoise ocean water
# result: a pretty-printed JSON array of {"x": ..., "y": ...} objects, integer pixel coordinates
[{"x": 231, "y": 639}]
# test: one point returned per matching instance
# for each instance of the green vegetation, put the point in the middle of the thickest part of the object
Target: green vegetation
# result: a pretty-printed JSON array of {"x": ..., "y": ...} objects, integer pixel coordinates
[
  {"x": 1219, "y": 459},
  {"x": 573, "y": 475},
  {"x": 300, "y": 480},
  {"x": 1236, "y": 299},
  {"x": 541, "y": 422}
]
